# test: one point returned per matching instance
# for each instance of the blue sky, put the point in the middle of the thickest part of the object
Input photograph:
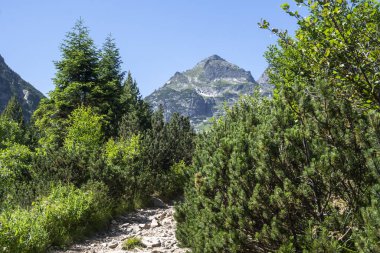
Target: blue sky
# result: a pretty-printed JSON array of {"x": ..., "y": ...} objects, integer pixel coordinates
[{"x": 156, "y": 38}]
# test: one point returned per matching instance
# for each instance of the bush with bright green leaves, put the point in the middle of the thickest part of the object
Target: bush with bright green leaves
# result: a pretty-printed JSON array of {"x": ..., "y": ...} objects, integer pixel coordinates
[
  {"x": 55, "y": 220},
  {"x": 123, "y": 172},
  {"x": 10, "y": 132},
  {"x": 170, "y": 184},
  {"x": 84, "y": 132},
  {"x": 15, "y": 169}
]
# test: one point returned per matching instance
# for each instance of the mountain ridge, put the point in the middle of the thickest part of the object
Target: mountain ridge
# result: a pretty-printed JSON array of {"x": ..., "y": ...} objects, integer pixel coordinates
[
  {"x": 11, "y": 84},
  {"x": 202, "y": 91}
]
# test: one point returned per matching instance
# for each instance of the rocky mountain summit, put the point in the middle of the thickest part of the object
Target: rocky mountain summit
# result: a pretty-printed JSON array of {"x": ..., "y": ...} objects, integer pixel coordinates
[
  {"x": 11, "y": 84},
  {"x": 202, "y": 92}
]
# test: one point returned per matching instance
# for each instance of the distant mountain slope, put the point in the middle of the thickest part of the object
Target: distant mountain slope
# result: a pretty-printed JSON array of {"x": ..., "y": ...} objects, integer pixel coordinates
[
  {"x": 11, "y": 84},
  {"x": 266, "y": 89},
  {"x": 201, "y": 92}
]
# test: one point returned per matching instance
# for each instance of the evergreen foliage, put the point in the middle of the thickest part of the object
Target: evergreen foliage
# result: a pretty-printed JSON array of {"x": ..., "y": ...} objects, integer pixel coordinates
[
  {"x": 111, "y": 77},
  {"x": 296, "y": 173},
  {"x": 13, "y": 111},
  {"x": 164, "y": 146},
  {"x": 136, "y": 113}
]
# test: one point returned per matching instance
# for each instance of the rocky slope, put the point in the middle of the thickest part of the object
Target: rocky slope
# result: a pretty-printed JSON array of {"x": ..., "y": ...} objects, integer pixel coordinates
[
  {"x": 11, "y": 84},
  {"x": 266, "y": 89},
  {"x": 155, "y": 227},
  {"x": 202, "y": 92}
]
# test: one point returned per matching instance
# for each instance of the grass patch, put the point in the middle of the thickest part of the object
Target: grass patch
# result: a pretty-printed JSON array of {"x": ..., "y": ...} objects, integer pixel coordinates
[{"x": 131, "y": 243}]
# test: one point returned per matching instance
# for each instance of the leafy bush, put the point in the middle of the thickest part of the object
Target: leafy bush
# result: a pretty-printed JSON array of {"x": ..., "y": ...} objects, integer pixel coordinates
[
  {"x": 66, "y": 213},
  {"x": 15, "y": 169},
  {"x": 84, "y": 133},
  {"x": 10, "y": 132},
  {"x": 170, "y": 184},
  {"x": 122, "y": 152},
  {"x": 124, "y": 172}
]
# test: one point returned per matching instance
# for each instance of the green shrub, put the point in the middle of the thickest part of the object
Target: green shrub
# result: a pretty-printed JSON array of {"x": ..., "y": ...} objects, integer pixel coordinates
[
  {"x": 131, "y": 243},
  {"x": 66, "y": 213},
  {"x": 254, "y": 187},
  {"x": 170, "y": 184},
  {"x": 294, "y": 174},
  {"x": 15, "y": 169}
]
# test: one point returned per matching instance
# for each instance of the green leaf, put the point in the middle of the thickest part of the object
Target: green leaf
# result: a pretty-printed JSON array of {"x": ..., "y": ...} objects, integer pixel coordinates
[{"x": 285, "y": 6}]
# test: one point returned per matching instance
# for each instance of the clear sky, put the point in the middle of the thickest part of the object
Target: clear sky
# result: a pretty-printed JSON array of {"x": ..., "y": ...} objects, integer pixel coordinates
[{"x": 156, "y": 38}]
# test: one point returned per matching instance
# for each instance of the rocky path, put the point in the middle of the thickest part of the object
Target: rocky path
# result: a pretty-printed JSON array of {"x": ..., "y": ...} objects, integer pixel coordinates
[{"x": 155, "y": 227}]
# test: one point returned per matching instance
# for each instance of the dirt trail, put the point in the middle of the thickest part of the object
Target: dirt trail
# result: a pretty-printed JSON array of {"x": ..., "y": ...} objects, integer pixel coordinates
[{"x": 155, "y": 227}]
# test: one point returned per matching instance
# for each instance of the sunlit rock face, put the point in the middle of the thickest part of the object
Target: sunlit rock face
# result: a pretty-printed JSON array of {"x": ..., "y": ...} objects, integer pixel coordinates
[
  {"x": 11, "y": 84},
  {"x": 203, "y": 91}
]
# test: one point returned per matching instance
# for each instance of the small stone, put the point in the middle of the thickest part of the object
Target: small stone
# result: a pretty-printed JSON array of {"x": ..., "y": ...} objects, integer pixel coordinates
[
  {"x": 154, "y": 223},
  {"x": 161, "y": 216},
  {"x": 151, "y": 242},
  {"x": 158, "y": 203},
  {"x": 113, "y": 245},
  {"x": 144, "y": 226},
  {"x": 125, "y": 225},
  {"x": 125, "y": 237},
  {"x": 166, "y": 221}
]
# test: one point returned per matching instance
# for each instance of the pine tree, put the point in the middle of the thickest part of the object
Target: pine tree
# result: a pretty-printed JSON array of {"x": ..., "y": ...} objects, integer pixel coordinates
[
  {"x": 111, "y": 78},
  {"x": 166, "y": 145},
  {"x": 85, "y": 77},
  {"x": 76, "y": 75},
  {"x": 136, "y": 113},
  {"x": 291, "y": 174},
  {"x": 13, "y": 111},
  {"x": 110, "y": 64}
]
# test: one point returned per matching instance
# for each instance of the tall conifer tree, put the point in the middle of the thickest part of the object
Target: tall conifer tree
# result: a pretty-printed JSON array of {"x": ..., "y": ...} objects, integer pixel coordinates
[
  {"x": 13, "y": 111},
  {"x": 111, "y": 78}
]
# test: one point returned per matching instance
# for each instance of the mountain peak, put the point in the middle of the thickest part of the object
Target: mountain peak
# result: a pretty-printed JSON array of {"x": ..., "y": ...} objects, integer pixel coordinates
[
  {"x": 214, "y": 58},
  {"x": 201, "y": 92},
  {"x": 212, "y": 71},
  {"x": 215, "y": 68}
]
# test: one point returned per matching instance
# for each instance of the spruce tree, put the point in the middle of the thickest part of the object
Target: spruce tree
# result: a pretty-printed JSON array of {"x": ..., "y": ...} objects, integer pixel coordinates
[
  {"x": 13, "y": 111},
  {"x": 110, "y": 64},
  {"x": 77, "y": 74},
  {"x": 136, "y": 113},
  {"x": 85, "y": 77},
  {"x": 111, "y": 78}
]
